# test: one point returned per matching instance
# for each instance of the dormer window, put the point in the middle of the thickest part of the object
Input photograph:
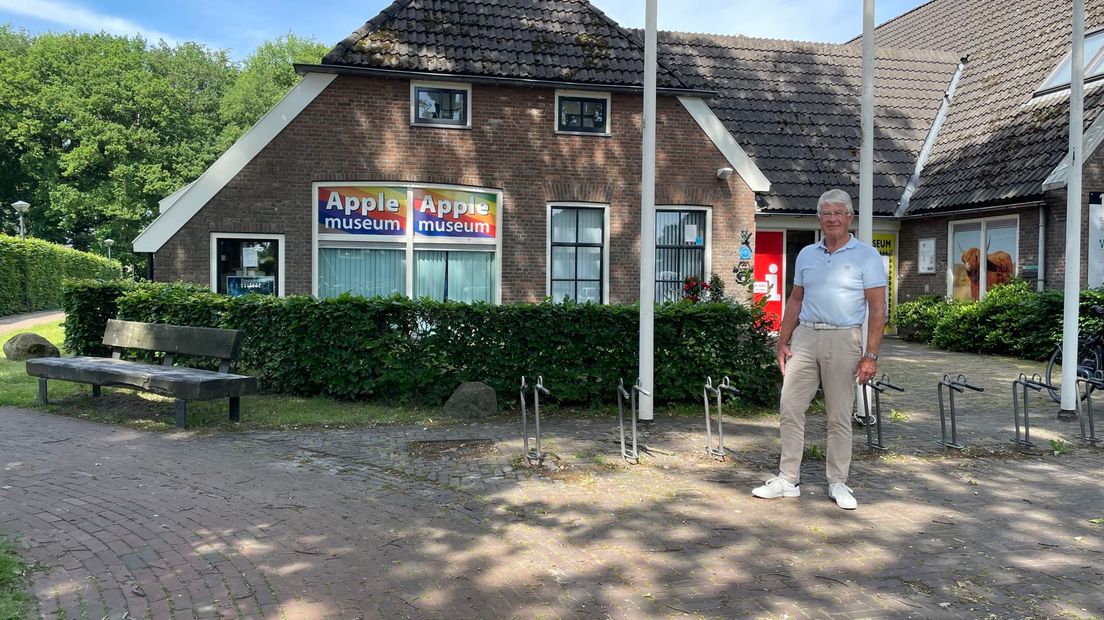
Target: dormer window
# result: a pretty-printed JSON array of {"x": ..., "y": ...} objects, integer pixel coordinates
[
  {"x": 440, "y": 104},
  {"x": 582, "y": 112},
  {"x": 1059, "y": 79}
]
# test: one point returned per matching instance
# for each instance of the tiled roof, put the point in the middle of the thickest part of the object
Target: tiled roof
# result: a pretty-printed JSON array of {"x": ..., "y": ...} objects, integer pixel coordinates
[
  {"x": 997, "y": 144},
  {"x": 550, "y": 40},
  {"x": 795, "y": 109}
]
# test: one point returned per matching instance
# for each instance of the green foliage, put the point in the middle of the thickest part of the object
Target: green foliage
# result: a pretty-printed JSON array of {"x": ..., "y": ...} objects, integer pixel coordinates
[
  {"x": 88, "y": 305},
  {"x": 716, "y": 288},
  {"x": 1059, "y": 447},
  {"x": 31, "y": 273},
  {"x": 14, "y": 599},
  {"x": 420, "y": 351},
  {"x": 1012, "y": 319}
]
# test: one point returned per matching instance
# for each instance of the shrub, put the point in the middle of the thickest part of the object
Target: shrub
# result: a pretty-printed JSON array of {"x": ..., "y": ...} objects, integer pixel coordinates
[
  {"x": 917, "y": 319},
  {"x": 88, "y": 304},
  {"x": 32, "y": 273},
  {"x": 421, "y": 350}
]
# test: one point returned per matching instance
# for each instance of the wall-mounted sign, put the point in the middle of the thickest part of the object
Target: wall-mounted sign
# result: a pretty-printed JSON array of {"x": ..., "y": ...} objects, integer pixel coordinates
[
  {"x": 925, "y": 262},
  {"x": 454, "y": 214},
  {"x": 886, "y": 244},
  {"x": 362, "y": 210},
  {"x": 240, "y": 285},
  {"x": 1096, "y": 240}
]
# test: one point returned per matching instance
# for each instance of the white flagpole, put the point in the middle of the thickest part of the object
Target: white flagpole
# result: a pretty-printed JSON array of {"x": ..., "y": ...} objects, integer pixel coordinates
[
  {"x": 647, "y": 219},
  {"x": 1072, "y": 293}
]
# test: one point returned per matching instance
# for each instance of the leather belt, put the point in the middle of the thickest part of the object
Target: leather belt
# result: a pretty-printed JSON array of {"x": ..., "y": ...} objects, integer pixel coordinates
[{"x": 827, "y": 325}]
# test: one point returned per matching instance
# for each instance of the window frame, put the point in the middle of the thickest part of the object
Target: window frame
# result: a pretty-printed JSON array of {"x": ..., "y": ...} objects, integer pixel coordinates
[
  {"x": 466, "y": 88},
  {"x": 281, "y": 250},
  {"x": 984, "y": 222},
  {"x": 586, "y": 96},
  {"x": 603, "y": 278},
  {"x": 1096, "y": 59},
  {"x": 707, "y": 241},
  {"x": 456, "y": 247}
]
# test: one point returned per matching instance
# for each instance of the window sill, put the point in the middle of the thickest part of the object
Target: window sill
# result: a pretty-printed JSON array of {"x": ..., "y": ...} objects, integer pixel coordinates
[{"x": 583, "y": 133}]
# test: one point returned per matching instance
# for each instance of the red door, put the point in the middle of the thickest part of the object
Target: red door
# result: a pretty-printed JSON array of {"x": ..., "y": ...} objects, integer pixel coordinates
[{"x": 769, "y": 273}]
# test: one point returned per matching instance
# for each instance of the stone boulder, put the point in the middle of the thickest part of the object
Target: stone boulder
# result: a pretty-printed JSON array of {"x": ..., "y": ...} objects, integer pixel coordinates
[
  {"x": 473, "y": 399},
  {"x": 29, "y": 346}
]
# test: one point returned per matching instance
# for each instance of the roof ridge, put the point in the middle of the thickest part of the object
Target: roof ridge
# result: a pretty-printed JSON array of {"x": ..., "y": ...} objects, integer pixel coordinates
[
  {"x": 892, "y": 19},
  {"x": 910, "y": 53},
  {"x": 348, "y": 42},
  {"x": 639, "y": 41}
]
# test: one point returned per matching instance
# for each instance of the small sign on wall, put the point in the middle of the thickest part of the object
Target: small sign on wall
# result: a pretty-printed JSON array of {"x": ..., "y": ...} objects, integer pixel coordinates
[
  {"x": 1096, "y": 239},
  {"x": 925, "y": 262}
]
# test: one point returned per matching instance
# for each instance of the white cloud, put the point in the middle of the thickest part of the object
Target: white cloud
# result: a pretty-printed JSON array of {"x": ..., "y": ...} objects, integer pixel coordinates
[{"x": 80, "y": 18}]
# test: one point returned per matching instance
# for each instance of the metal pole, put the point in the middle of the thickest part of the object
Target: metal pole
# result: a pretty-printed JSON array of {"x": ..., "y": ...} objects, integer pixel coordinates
[
  {"x": 866, "y": 158},
  {"x": 1072, "y": 293},
  {"x": 647, "y": 218}
]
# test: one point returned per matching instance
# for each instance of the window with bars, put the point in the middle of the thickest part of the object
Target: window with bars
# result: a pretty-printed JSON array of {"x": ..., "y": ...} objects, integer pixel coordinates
[
  {"x": 578, "y": 237},
  {"x": 680, "y": 251}
]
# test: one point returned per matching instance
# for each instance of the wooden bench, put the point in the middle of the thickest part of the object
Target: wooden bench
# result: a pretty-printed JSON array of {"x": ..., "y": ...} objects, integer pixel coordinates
[{"x": 182, "y": 383}]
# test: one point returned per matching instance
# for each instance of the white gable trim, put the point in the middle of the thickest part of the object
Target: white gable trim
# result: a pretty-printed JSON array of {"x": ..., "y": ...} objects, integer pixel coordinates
[
  {"x": 196, "y": 195},
  {"x": 1059, "y": 177},
  {"x": 168, "y": 201},
  {"x": 712, "y": 126}
]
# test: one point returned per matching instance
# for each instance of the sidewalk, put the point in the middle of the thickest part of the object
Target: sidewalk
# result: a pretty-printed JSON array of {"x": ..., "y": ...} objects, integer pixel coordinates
[
  {"x": 29, "y": 319},
  {"x": 403, "y": 522}
]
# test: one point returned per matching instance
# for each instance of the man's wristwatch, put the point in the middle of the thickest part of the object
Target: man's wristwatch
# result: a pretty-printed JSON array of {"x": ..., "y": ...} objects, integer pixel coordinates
[{"x": 869, "y": 355}]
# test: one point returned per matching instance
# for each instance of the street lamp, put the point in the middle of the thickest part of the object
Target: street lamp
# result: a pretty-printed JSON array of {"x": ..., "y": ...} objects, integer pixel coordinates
[
  {"x": 20, "y": 207},
  {"x": 109, "y": 243}
]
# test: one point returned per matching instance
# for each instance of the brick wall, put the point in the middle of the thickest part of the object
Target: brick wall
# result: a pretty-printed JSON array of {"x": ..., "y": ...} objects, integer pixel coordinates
[{"x": 359, "y": 129}]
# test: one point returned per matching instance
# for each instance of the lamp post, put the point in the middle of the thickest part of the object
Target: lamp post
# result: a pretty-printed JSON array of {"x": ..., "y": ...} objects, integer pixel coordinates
[
  {"x": 20, "y": 206},
  {"x": 109, "y": 243}
]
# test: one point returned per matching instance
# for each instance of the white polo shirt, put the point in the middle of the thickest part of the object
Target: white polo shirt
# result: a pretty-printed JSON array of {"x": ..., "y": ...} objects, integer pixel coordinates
[{"x": 835, "y": 284}]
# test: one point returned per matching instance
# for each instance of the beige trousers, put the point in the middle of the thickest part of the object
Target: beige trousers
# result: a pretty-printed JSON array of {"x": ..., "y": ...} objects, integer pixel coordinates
[{"x": 826, "y": 358}]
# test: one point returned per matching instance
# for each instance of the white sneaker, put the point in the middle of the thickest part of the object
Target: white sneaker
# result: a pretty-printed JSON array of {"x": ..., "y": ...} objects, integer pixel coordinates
[
  {"x": 777, "y": 487},
  {"x": 842, "y": 494}
]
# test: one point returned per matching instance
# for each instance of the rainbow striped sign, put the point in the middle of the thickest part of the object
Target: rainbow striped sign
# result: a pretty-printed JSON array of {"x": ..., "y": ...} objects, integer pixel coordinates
[
  {"x": 455, "y": 214},
  {"x": 362, "y": 210}
]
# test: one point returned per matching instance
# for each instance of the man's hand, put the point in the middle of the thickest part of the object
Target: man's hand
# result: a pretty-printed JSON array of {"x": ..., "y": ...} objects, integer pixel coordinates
[
  {"x": 866, "y": 370},
  {"x": 783, "y": 354}
]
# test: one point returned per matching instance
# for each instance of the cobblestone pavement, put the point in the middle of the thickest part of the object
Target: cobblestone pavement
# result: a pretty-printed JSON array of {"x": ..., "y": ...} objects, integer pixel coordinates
[{"x": 450, "y": 522}]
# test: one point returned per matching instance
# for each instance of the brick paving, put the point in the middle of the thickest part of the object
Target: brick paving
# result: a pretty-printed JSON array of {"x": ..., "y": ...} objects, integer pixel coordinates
[{"x": 449, "y": 522}]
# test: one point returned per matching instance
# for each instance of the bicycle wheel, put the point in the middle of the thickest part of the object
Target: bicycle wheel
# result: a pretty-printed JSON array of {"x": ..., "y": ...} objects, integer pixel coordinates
[{"x": 1089, "y": 359}]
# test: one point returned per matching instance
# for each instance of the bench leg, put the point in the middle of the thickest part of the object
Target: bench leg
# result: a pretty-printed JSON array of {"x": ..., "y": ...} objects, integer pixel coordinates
[
  {"x": 42, "y": 391},
  {"x": 95, "y": 391},
  {"x": 181, "y": 413},
  {"x": 235, "y": 408}
]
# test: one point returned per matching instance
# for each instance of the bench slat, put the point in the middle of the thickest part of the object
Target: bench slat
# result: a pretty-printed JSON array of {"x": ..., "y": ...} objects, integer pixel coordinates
[
  {"x": 186, "y": 383},
  {"x": 198, "y": 341}
]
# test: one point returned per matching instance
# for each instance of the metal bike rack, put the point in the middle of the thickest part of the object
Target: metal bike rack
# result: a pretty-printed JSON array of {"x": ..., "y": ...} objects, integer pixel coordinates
[
  {"x": 629, "y": 454},
  {"x": 1034, "y": 382},
  {"x": 532, "y": 455},
  {"x": 956, "y": 385},
  {"x": 879, "y": 386},
  {"x": 717, "y": 451},
  {"x": 1088, "y": 430}
]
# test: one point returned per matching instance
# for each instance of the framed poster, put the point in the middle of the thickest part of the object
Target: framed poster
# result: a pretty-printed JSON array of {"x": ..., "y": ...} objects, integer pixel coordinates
[{"x": 925, "y": 262}]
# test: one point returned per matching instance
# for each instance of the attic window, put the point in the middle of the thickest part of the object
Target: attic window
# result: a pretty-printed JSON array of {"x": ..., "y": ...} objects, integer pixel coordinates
[
  {"x": 447, "y": 105},
  {"x": 582, "y": 112},
  {"x": 1059, "y": 79}
]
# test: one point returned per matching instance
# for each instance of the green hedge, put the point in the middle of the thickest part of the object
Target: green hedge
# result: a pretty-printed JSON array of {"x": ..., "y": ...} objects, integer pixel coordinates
[
  {"x": 354, "y": 347},
  {"x": 1012, "y": 319},
  {"x": 88, "y": 304},
  {"x": 31, "y": 274}
]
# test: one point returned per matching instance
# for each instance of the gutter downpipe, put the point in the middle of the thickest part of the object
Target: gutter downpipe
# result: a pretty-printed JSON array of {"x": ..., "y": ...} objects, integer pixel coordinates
[
  {"x": 1072, "y": 293},
  {"x": 1040, "y": 278}
]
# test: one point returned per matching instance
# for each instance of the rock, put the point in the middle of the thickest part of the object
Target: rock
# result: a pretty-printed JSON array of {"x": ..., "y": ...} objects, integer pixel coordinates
[
  {"x": 473, "y": 399},
  {"x": 29, "y": 346}
]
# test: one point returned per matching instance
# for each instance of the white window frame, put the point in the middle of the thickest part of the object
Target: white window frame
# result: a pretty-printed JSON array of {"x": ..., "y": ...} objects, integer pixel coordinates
[
  {"x": 415, "y": 85},
  {"x": 1095, "y": 59},
  {"x": 982, "y": 273},
  {"x": 605, "y": 242},
  {"x": 586, "y": 94},
  {"x": 707, "y": 248},
  {"x": 281, "y": 251},
  {"x": 408, "y": 242}
]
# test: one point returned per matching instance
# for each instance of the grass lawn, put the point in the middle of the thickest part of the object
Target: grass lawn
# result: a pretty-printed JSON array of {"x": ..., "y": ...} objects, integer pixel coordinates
[
  {"x": 14, "y": 601},
  {"x": 141, "y": 410}
]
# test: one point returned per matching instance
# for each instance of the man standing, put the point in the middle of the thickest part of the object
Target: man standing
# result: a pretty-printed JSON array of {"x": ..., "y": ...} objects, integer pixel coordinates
[{"x": 838, "y": 282}]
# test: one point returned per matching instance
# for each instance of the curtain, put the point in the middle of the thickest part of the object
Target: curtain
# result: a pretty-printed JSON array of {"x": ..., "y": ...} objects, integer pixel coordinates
[{"x": 367, "y": 272}]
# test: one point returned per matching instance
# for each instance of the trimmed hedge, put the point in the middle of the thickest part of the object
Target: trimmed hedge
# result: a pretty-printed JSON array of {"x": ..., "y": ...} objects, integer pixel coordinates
[
  {"x": 355, "y": 347},
  {"x": 32, "y": 274},
  {"x": 1012, "y": 319},
  {"x": 88, "y": 304}
]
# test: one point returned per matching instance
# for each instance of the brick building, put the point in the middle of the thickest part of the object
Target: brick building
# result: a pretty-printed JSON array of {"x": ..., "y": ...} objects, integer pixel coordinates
[{"x": 477, "y": 151}]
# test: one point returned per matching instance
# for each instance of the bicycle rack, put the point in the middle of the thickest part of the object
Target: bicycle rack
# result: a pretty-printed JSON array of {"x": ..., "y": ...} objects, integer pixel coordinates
[
  {"x": 1095, "y": 382},
  {"x": 532, "y": 455},
  {"x": 1034, "y": 382},
  {"x": 725, "y": 386},
  {"x": 879, "y": 386},
  {"x": 622, "y": 395},
  {"x": 955, "y": 385}
]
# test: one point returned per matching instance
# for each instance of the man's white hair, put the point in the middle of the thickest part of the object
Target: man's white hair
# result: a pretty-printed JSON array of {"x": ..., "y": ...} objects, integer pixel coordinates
[{"x": 835, "y": 197}]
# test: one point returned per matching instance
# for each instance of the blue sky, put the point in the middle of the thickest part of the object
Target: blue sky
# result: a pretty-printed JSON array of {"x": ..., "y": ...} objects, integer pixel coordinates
[{"x": 240, "y": 25}]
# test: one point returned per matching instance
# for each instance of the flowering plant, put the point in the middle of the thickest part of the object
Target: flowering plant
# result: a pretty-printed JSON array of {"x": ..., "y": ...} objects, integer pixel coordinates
[{"x": 693, "y": 288}]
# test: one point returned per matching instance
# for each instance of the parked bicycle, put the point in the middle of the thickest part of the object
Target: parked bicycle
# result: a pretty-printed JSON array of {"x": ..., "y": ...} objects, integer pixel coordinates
[{"x": 1090, "y": 356}]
